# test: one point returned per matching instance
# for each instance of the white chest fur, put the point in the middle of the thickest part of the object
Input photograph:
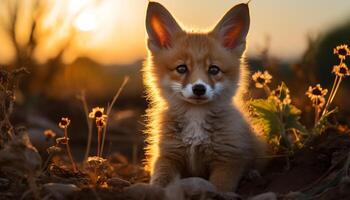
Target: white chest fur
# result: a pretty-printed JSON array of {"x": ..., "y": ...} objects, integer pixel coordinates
[{"x": 193, "y": 133}]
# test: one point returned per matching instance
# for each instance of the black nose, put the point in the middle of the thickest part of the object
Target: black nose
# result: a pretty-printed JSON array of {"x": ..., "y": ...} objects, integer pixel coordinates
[{"x": 198, "y": 89}]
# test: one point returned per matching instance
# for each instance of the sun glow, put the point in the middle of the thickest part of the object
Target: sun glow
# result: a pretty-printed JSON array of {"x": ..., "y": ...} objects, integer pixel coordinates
[
  {"x": 84, "y": 14},
  {"x": 86, "y": 21}
]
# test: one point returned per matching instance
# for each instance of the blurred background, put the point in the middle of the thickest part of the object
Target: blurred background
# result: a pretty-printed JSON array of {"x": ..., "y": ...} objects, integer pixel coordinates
[{"x": 70, "y": 46}]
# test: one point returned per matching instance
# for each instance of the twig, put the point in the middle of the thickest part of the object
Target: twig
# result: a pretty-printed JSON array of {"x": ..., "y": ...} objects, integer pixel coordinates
[
  {"x": 109, "y": 109},
  {"x": 47, "y": 162},
  {"x": 89, "y": 123},
  {"x": 69, "y": 151}
]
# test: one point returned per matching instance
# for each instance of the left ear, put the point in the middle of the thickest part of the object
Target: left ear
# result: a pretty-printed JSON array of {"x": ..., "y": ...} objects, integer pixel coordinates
[
  {"x": 233, "y": 28},
  {"x": 161, "y": 27}
]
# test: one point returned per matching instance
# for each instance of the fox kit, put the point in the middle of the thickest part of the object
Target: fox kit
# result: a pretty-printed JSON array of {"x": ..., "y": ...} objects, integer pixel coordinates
[{"x": 194, "y": 127}]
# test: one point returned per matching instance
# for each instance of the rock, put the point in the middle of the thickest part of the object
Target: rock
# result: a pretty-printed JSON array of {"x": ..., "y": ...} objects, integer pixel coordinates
[
  {"x": 190, "y": 188},
  {"x": 230, "y": 196},
  {"x": 265, "y": 196},
  {"x": 4, "y": 183},
  {"x": 293, "y": 195},
  {"x": 183, "y": 189},
  {"x": 118, "y": 183},
  {"x": 143, "y": 191},
  {"x": 37, "y": 125},
  {"x": 20, "y": 154},
  {"x": 61, "y": 191}
]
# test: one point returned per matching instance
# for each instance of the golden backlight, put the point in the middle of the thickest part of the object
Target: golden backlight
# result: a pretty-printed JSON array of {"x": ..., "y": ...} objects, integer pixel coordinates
[
  {"x": 85, "y": 14},
  {"x": 113, "y": 31},
  {"x": 86, "y": 21}
]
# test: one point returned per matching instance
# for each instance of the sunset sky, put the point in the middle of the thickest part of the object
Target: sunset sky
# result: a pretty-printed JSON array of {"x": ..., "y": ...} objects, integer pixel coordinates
[{"x": 113, "y": 31}]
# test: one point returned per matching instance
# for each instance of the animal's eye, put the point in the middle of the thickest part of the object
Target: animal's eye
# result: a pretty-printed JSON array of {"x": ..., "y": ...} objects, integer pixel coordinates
[
  {"x": 213, "y": 70},
  {"x": 181, "y": 69}
]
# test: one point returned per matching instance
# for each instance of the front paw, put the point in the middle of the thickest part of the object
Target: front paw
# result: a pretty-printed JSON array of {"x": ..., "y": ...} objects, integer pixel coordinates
[
  {"x": 191, "y": 188},
  {"x": 142, "y": 191},
  {"x": 161, "y": 181}
]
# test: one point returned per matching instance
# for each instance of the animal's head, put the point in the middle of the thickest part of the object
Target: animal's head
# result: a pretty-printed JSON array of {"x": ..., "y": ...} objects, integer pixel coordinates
[{"x": 196, "y": 67}]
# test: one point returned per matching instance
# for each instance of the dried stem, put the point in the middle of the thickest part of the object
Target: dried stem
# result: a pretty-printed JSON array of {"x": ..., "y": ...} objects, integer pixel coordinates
[
  {"x": 109, "y": 109},
  {"x": 99, "y": 131},
  {"x": 317, "y": 111},
  {"x": 336, "y": 89},
  {"x": 335, "y": 83},
  {"x": 69, "y": 151},
  {"x": 89, "y": 123},
  {"x": 46, "y": 164},
  {"x": 281, "y": 109},
  {"x": 267, "y": 90}
]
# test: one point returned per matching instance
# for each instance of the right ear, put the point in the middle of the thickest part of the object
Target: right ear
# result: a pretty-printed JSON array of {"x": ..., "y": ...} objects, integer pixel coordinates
[
  {"x": 233, "y": 28},
  {"x": 161, "y": 27}
]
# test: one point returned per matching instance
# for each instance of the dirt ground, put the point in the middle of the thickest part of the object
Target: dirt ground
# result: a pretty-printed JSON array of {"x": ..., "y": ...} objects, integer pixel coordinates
[
  {"x": 309, "y": 169},
  {"x": 315, "y": 172}
]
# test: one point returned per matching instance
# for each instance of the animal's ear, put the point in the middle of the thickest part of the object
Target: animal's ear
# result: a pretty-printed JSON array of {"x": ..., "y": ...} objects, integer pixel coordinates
[
  {"x": 233, "y": 28},
  {"x": 161, "y": 26}
]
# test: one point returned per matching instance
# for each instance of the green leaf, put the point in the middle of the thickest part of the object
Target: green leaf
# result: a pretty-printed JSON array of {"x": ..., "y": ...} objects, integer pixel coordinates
[
  {"x": 323, "y": 123},
  {"x": 277, "y": 117},
  {"x": 266, "y": 116},
  {"x": 291, "y": 119},
  {"x": 284, "y": 91}
]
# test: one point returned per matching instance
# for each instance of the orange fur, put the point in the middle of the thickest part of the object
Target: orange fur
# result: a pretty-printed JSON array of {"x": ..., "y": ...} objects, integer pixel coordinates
[{"x": 212, "y": 139}]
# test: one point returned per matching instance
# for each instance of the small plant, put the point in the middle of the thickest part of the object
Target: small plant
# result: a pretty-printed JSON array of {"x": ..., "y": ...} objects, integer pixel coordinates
[
  {"x": 97, "y": 169},
  {"x": 280, "y": 119},
  {"x": 262, "y": 80},
  {"x": 100, "y": 119},
  {"x": 9, "y": 81},
  {"x": 341, "y": 71},
  {"x": 16, "y": 151},
  {"x": 63, "y": 124},
  {"x": 49, "y": 134},
  {"x": 277, "y": 117},
  {"x": 317, "y": 96},
  {"x": 52, "y": 150}
]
